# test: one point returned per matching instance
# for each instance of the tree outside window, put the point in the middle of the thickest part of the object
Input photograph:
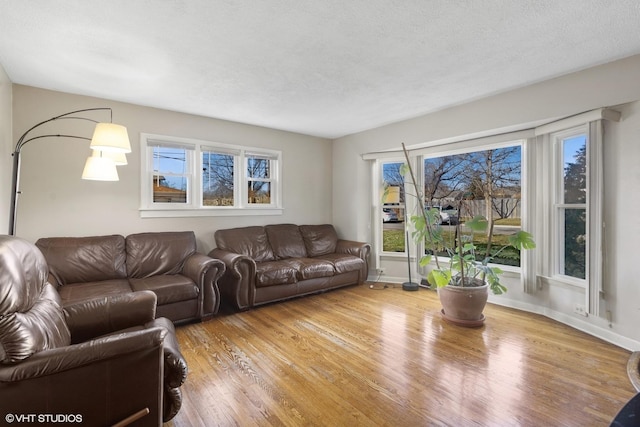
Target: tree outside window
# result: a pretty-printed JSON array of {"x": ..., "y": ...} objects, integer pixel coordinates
[
  {"x": 486, "y": 183},
  {"x": 572, "y": 207},
  {"x": 217, "y": 179}
]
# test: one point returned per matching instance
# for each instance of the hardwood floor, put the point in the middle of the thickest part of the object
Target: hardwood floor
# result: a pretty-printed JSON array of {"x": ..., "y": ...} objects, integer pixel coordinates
[{"x": 360, "y": 357}]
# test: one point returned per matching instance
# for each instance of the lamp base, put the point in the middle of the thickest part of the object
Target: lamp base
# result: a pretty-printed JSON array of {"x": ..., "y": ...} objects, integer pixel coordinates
[{"x": 410, "y": 286}]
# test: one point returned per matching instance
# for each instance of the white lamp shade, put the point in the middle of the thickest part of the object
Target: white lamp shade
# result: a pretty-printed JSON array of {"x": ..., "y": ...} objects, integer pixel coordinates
[
  {"x": 100, "y": 169},
  {"x": 110, "y": 137},
  {"x": 120, "y": 159}
]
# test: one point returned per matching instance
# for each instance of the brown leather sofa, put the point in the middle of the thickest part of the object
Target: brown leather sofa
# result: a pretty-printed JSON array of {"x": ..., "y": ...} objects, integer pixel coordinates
[
  {"x": 96, "y": 362},
  {"x": 280, "y": 261},
  {"x": 184, "y": 281}
]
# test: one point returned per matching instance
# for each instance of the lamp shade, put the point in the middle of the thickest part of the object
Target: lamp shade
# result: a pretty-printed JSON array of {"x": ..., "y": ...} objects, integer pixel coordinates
[
  {"x": 110, "y": 137},
  {"x": 99, "y": 168},
  {"x": 119, "y": 158}
]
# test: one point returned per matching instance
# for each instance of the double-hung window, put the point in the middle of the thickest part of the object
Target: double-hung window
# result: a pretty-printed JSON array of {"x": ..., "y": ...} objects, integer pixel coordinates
[
  {"x": 392, "y": 210},
  {"x": 170, "y": 173},
  {"x": 185, "y": 177},
  {"x": 570, "y": 180},
  {"x": 570, "y": 213}
]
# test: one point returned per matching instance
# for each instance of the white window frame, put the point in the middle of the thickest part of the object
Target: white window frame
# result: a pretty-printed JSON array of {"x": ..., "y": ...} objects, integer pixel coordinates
[
  {"x": 559, "y": 207},
  {"x": 551, "y": 268},
  {"x": 524, "y": 138},
  {"x": 194, "y": 206},
  {"x": 188, "y": 174},
  {"x": 380, "y": 205},
  {"x": 490, "y": 143},
  {"x": 274, "y": 163},
  {"x": 592, "y": 121}
]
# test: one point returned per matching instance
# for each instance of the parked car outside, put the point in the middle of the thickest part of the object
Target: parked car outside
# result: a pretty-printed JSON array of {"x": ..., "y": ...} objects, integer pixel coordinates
[
  {"x": 448, "y": 214},
  {"x": 389, "y": 215}
]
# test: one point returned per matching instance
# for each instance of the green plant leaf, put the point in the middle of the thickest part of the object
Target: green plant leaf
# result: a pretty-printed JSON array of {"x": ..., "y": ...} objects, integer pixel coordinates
[
  {"x": 439, "y": 278},
  {"x": 433, "y": 216},
  {"x": 469, "y": 248},
  {"x": 522, "y": 240},
  {"x": 404, "y": 169},
  {"x": 477, "y": 223},
  {"x": 425, "y": 260}
]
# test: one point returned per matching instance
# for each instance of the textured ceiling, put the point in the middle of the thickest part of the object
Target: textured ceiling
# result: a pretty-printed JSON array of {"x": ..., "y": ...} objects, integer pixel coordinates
[{"x": 326, "y": 67}]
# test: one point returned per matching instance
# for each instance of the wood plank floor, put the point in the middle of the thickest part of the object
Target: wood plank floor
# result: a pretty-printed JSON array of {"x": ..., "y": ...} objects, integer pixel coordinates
[{"x": 363, "y": 357}]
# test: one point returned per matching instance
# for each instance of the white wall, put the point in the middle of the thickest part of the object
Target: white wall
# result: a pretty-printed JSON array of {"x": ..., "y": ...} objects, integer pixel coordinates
[
  {"x": 607, "y": 85},
  {"x": 56, "y": 202},
  {"x": 6, "y": 147}
]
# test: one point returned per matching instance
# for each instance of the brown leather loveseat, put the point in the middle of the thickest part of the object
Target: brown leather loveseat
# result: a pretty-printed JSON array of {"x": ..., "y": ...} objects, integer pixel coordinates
[
  {"x": 280, "y": 261},
  {"x": 166, "y": 263},
  {"x": 96, "y": 362}
]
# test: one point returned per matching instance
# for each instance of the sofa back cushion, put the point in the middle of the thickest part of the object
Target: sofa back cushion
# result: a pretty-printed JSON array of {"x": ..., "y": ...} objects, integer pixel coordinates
[
  {"x": 152, "y": 254},
  {"x": 250, "y": 241},
  {"x": 84, "y": 259},
  {"x": 286, "y": 241},
  {"x": 31, "y": 316},
  {"x": 319, "y": 239}
]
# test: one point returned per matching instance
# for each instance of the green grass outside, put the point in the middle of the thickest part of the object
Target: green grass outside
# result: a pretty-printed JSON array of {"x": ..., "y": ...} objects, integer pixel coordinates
[{"x": 394, "y": 241}]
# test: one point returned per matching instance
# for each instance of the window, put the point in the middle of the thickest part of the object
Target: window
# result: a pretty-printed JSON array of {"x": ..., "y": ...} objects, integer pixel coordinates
[
  {"x": 218, "y": 178},
  {"x": 570, "y": 175},
  {"x": 171, "y": 173},
  {"x": 393, "y": 208},
  {"x": 232, "y": 179},
  {"x": 570, "y": 203},
  {"x": 259, "y": 178},
  {"x": 478, "y": 183}
]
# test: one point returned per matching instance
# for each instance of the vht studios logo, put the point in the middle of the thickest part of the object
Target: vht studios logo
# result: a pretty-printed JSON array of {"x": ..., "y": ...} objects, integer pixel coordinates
[{"x": 43, "y": 418}]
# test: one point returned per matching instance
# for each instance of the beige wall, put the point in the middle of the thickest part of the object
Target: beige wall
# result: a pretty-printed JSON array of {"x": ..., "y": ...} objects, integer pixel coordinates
[
  {"x": 6, "y": 146},
  {"x": 607, "y": 85},
  {"x": 56, "y": 202}
]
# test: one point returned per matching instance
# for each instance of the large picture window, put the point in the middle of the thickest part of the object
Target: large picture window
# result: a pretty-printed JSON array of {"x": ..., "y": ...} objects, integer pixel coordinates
[
  {"x": 478, "y": 183},
  {"x": 184, "y": 177}
]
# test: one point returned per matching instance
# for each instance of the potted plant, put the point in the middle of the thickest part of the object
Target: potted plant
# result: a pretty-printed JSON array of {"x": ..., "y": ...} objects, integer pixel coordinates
[{"x": 464, "y": 281}]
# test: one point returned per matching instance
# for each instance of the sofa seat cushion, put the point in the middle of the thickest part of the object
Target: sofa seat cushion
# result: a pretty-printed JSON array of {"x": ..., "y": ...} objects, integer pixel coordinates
[
  {"x": 343, "y": 263},
  {"x": 168, "y": 287},
  {"x": 309, "y": 268},
  {"x": 76, "y": 292},
  {"x": 272, "y": 273}
]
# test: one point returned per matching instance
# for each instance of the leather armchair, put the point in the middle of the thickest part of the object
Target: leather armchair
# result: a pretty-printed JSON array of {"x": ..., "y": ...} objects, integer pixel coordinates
[{"x": 96, "y": 362}]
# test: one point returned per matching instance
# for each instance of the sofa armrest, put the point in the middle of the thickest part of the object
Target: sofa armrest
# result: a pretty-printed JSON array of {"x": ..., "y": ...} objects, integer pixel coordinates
[
  {"x": 101, "y": 381},
  {"x": 211, "y": 297},
  {"x": 101, "y": 316},
  {"x": 237, "y": 284},
  {"x": 204, "y": 271},
  {"x": 196, "y": 266},
  {"x": 359, "y": 249}
]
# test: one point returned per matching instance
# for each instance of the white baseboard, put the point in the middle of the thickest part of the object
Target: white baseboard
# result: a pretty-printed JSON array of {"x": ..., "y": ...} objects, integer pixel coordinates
[{"x": 589, "y": 327}]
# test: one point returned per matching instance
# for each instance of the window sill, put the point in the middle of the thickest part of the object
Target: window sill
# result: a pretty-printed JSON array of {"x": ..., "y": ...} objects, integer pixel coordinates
[
  {"x": 186, "y": 213},
  {"x": 563, "y": 281}
]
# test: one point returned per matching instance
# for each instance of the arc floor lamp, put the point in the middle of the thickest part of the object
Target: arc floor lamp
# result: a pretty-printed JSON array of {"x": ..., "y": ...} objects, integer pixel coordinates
[{"x": 109, "y": 143}]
